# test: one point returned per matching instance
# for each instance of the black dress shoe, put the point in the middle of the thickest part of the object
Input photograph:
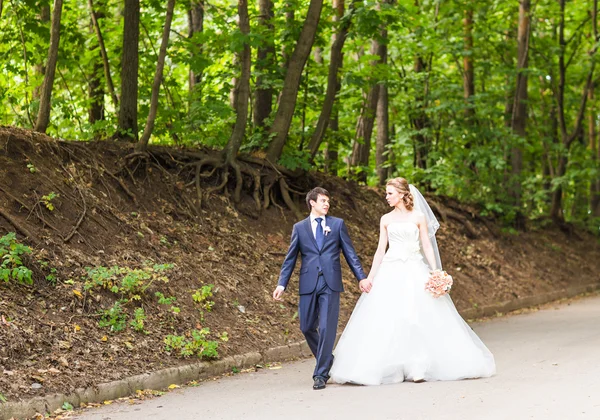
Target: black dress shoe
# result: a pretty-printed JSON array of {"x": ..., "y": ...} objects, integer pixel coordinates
[{"x": 319, "y": 383}]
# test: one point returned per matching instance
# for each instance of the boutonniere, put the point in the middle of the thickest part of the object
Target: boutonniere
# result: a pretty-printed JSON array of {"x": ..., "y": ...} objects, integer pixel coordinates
[{"x": 326, "y": 230}]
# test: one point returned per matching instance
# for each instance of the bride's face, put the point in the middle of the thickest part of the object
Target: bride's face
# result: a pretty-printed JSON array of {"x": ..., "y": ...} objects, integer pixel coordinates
[{"x": 392, "y": 196}]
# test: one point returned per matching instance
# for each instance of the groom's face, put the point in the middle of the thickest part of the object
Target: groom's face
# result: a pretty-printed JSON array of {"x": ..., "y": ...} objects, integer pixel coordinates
[{"x": 321, "y": 206}]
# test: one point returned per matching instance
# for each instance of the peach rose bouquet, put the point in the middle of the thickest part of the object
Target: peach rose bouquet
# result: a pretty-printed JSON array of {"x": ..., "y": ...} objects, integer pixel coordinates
[{"x": 439, "y": 283}]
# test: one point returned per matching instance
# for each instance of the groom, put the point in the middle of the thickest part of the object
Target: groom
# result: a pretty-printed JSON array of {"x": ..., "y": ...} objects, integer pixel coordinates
[{"x": 319, "y": 239}]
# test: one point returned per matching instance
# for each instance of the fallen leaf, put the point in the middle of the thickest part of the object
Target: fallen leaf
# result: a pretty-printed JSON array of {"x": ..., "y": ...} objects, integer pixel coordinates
[
  {"x": 77, "y": 293},
  {"x": 173, "y": 386},
  {"x": 76, "y": 328},
  {"x": 105, "y": 338}
]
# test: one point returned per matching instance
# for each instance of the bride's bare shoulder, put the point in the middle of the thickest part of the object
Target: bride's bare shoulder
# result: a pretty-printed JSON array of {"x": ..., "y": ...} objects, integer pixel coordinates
[{"x": 385, "y": 220}]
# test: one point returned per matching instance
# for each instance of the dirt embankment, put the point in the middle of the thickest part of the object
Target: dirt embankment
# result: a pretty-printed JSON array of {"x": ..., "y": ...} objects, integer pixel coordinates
[{"x": 105, "y": 214}]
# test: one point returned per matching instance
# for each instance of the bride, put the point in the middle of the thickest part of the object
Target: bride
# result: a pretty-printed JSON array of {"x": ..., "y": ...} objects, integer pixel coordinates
[{"x": 398, "y": 331}]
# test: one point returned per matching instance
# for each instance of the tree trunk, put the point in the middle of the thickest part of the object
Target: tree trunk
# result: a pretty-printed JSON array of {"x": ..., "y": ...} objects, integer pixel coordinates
[
  {"x": 160, "y": 65},
  {"x": 43, "y": 118},
  {"x": 519, "y": 117},
  {"x": 96, "y": 93},
  {"x": 468, "y": 72},
  {"x": 286, "y": 50},
  {"x": 418, "y": 115},
  {"x": 39, "y": 67},
  {"x": 361, "y": 150},
  {"x": 196, "y": 25},
  {"x": 420, "y": 121},
  {"x": 243, "y": 87},
  {"x": 595, "y": 185},
  {"x": 265, "y": 63},
  {"x": 128, "y": 124},
  {"x": 109, "y": 82},
  {"x": 383, "y": 133},
  {"x": 287, "y": 101},
  {"x": 592, "y": 135},
  {"x": 333, "y": 79},
  {"x": 331, "y": 151},
  {"x": 556, "y": 211}
]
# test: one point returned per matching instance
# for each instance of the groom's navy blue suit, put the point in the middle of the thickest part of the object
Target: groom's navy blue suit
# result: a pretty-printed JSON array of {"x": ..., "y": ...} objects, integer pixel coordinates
[{"x": 320, "y": 283}]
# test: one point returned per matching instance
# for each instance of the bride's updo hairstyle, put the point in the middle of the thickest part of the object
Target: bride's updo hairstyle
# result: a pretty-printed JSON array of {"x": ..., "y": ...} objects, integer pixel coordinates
[{"x": 401, "y": 185}]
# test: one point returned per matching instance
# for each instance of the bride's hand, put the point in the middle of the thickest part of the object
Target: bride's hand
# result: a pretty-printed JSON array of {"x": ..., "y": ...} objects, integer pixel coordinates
[{"x": 365, "y": 285}]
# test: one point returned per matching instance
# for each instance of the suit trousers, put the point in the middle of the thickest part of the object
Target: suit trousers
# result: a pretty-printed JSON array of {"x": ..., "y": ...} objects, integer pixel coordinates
[{"x": 318, "y": 313}]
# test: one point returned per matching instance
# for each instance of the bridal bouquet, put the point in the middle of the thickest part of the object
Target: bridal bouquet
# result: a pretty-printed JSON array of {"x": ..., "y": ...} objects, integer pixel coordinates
[{"x": 439, "y": 283}]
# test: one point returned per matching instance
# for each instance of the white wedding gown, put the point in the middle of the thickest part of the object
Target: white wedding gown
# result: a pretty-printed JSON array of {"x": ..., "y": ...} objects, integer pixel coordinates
[{"x": 398, "y": 331}]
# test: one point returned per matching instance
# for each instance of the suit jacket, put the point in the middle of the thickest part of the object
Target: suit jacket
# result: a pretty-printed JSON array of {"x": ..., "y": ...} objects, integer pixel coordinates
[{"x": 325, "y": 260}]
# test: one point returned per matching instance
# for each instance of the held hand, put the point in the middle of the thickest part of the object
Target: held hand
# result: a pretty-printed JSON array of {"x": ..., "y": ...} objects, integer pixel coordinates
[
  {"x": 278, "y": 292},
  {"x": 365, "y": 285}
]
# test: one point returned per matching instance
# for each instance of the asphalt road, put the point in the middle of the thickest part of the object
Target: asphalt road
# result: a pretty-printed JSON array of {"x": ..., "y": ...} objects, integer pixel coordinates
[{"x": 548, "y": 365}]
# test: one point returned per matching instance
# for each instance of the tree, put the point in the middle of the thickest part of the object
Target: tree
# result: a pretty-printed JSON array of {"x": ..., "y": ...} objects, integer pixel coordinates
[
  {"x": 105, "y": 63},
  {"x": 43, "y": 118},
  {"x": 265, "y": 63},
  {"x": 160, "y": 64},
  {"x": 287, "y": 100},
  {"x": 468, "y": 70},
  {"x": 196, "y": 26},
  {"x": 333, "y": 79},
  {"x": 567, "y": 138},
  {"x": 519, "y": 107},
  {"x": 242, "y": 87},
  {"x": 128, "y": 125}
]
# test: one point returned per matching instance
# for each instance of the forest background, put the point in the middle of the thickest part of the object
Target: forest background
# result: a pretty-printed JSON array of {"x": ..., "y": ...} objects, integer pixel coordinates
[{"x": 490, "y": 102}]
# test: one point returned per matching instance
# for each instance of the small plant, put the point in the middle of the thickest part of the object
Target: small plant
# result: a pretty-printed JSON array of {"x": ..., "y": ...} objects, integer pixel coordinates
[
  {"x": 12, "y": 267},
  {"x": 196, "y": 345},
  {"x": 162, "y": 300},
  {"x": 114, "y": 318},
  {"x": 51, "y": 278},
  {"x": 203, "y": 295},
  {"x": 2, "y": 398},
  {"x": 224, "y": 336},
  {"x": 137, "y": 323},
  {"x": 128, "y": 282},
  {"x": 67, "y": 406},
  {"x": 31, "y": 168},
  {"x": 47, "y": 200}
]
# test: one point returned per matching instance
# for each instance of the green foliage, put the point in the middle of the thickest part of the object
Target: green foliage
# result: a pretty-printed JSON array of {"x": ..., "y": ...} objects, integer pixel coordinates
[
  {"x": 202, "y": 296},
  {"x": 467, "y": 158},
  {"x": 12, "y": 268},
  {"x": 131, "y": 283},
  {"x": 162, "y": 300},
  {"x": 114, "y": 318},
  {"x": 137, "y": 323},
  {"x": 67, "y": 406},
  {"x": 196, "y": 344},
  {"x": 47, "y": 200}
]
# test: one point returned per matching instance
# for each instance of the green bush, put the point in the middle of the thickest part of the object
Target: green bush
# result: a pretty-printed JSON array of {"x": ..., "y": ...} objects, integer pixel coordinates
[
  {"x": 12, "y": 267},
  {"x": 196, "y": 345}
]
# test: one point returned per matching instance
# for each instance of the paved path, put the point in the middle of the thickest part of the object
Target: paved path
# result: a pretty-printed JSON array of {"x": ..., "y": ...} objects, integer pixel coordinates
[{"x": 548, "y": 366}]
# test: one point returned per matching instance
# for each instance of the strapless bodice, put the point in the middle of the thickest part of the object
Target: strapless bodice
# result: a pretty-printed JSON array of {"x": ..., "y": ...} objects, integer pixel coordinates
[{"x": 403, "y": 240}]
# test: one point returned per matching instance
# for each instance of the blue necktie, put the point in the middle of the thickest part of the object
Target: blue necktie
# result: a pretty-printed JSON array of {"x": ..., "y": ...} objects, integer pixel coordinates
[{"x": 319, "y": 236}]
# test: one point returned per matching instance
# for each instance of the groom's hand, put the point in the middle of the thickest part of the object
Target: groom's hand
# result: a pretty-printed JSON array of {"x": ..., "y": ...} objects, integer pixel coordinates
[
  {"x": 278, "y": 292},
  {"x": 365, "y": 285}
]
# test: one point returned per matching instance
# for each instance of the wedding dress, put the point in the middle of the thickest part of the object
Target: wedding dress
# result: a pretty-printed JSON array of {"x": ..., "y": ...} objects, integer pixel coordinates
[{"x": 398, "y": 331}]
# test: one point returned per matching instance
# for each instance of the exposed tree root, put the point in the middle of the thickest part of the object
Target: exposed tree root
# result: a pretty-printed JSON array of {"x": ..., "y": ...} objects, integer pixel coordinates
[{"x": 83, "y": 213}]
